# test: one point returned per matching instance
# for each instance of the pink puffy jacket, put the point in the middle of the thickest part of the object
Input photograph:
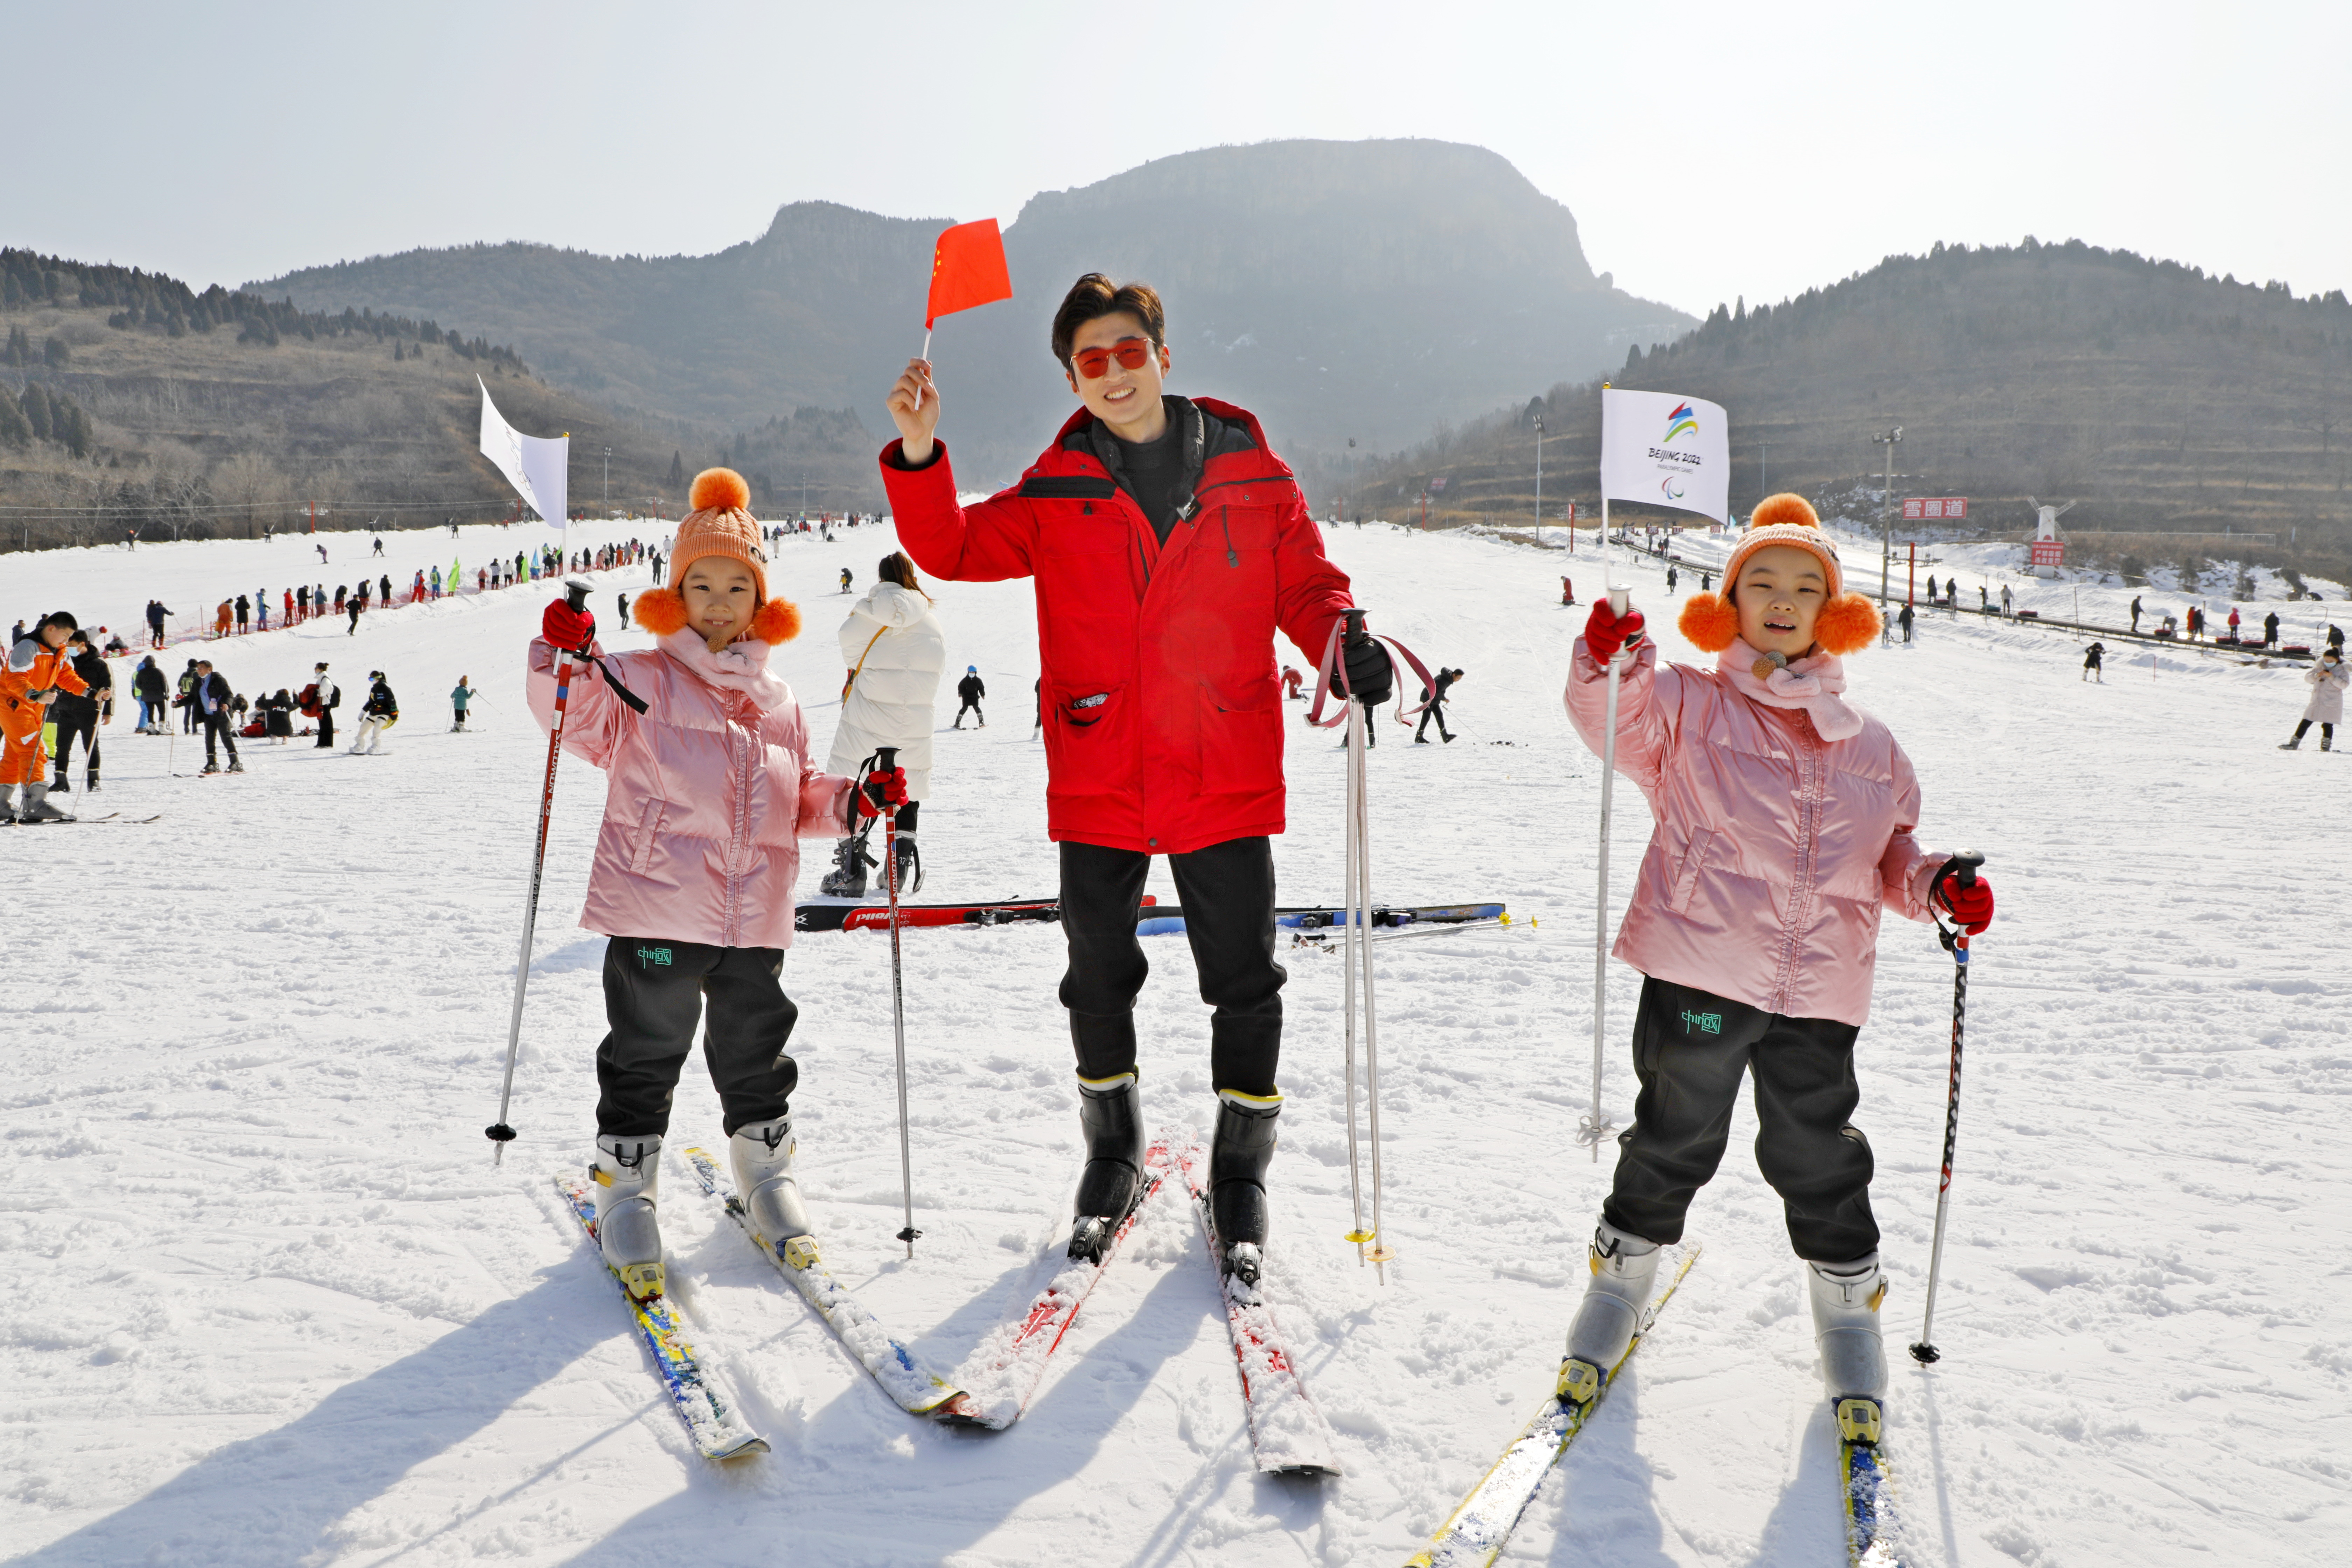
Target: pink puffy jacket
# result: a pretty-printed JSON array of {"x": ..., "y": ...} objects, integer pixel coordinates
[
  {"x": 1774, "y": 849},
  {"x": 710, "y": 791}
]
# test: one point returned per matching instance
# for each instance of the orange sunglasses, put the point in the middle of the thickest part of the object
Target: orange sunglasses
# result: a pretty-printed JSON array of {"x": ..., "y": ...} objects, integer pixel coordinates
[{"x": 1095, "y": 364}]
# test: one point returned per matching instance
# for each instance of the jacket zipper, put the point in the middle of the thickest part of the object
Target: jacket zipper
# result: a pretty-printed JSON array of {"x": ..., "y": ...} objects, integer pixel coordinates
[{"x": 1225, "y": 520}]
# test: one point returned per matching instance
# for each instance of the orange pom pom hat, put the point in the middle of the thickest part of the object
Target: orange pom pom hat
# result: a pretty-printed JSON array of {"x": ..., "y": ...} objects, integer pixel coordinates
[
  {"x": 720, "y": 523},
  {"x": 1847, "y": 623}
]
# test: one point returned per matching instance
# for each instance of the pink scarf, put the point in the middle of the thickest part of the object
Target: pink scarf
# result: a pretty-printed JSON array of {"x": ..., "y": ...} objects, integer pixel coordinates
[
  {"x": 741, "y": 666},
  {"x": 1812, "y": 685}
]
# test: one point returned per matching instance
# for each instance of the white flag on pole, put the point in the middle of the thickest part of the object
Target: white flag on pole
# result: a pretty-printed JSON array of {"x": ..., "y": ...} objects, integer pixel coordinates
[
  {"x": 1664, "y": 450},
  {"x": 538, "y": 466}
]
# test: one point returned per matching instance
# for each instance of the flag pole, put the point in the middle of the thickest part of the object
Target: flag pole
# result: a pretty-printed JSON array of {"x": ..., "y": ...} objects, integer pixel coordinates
[{"x": 925, "y": 355}]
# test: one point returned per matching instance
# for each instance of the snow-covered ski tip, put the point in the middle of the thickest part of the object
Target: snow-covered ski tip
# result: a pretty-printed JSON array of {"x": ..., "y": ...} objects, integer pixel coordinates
[
  {"x": 1001, "y": 1375},
  {"x": 914, "y": 1386},
  {"x": 1484, "y": 1520},
  {"x": 717, "y": 1432},
  {"x": 1287, "y": 1432}
]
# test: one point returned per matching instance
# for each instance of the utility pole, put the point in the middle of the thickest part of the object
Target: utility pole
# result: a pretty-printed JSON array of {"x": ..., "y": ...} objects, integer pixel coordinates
[
  {"x": 1539, "y": 478},
  {"x": 608, "y": 479},
  {"x": 1763, "y": 467},
  {"x": 1886, "y": 520}
]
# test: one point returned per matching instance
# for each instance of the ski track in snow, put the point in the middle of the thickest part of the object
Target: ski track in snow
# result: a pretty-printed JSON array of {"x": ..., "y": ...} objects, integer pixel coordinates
[{"x": 284, "y": 1310}]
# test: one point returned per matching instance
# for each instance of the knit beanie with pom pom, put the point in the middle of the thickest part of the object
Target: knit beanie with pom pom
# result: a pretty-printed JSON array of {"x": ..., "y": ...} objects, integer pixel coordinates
[
  {"x": 1847, "y": 623},
  {"x": 719, "y": 523}
]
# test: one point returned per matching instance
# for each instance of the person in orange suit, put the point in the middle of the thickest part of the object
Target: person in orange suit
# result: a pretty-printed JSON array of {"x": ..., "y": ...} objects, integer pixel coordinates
[{"x": 38, "y": 670}]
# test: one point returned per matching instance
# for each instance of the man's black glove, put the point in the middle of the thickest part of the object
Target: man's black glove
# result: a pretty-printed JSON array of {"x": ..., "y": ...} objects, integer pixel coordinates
[{"x": 1366, "y": 675}]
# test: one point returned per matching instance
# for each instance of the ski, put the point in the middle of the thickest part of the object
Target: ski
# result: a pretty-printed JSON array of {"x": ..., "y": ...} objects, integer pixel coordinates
[
  {"x": 1869, "y": 1499},
  {"x": 115, "y": 817},
  {"x": 1287, "y": 1432},
  {"x": 716, "y": 1431},
  {"x": 1167, "y": 920},
  {"x": 818, "y": 916},
  {"x": 1483, "y": 1521},
  {"x": 916, "y": 1387},
  {"x": 1003, "y": 1373}
]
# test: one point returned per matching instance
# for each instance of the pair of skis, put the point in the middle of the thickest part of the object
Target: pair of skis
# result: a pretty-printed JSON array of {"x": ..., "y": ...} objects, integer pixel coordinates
[
  {"x": 1480, "y": 1524},
  {"x": 1287, "y": 1432}
]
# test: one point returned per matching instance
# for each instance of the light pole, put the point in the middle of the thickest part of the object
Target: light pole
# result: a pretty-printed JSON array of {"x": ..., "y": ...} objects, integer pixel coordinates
[
  {"x": 1539, "y": 478},
  {"x": 1886, "y": 520},
  {"x": 1764, "y": 467},
  {"x": 608, "y": 480}
]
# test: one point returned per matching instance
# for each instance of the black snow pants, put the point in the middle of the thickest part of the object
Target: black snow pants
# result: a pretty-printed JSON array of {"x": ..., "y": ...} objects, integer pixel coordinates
[
  {"x": 326, "y": 728},
  {"x": 218, "y": 734},
  {"x": 1227, "y": 894},
  {"x": 654, "y": 991},
  {"x": 1435, "y": 713},
  {"x": 85, "y": 725},
  {"x": 1690, "y": 1050},
  {"x": 973, "y": 708}
]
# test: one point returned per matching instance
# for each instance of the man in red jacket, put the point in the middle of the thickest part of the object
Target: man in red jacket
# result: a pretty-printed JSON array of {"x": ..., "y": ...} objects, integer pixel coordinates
[{"x": 1168, "y": 543}]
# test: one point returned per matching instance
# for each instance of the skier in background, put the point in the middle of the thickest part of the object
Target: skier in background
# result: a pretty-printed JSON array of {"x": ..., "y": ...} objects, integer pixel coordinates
[
  {"x": 355, "y": 604},
  {"x": 155, "y": 614},
  {"x": 325, "y": 698},
  {"x": 1294, "y": 685},
  {"x": 39, "y": 670},
  {"x": 1566, "y": 591},
  {"x": 844, "y": 579},
  {"x": 1755, "y": 924},
  {"x": 81, "y": 712},
  {"x": 1433, "y": 700},
  {"x": 2092, "y": 668},
  {"x": 148, "y": 684},
  {"x": 2135, "y": 624},
  {"x": 2328, "y": 676},
  {"x": 2270, "y": 629},
  {"x": 2005, "y": 602},
  {"x": 1163, "y": 741},
  {"x": 894, "y": 649},
  {"x": 212, "y": 698},
  {"x": 1905, "y": 621},
  {"x": 379, "y": 713},
  {"x": 698, "y": 899},
  {"x": 187, "y": 699},
  {"x": 969, "y": 692},
  {"x": 244, "y": 614},
  {"x": 459, "y": 695}
]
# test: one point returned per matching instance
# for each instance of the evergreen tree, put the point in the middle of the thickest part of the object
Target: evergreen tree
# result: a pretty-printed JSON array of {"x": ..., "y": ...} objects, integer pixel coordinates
[
  {"x": 72, "y": 425},
  {"x": 36, "y": 410},
  {"x": 13, "y": 429},
  {"x": 677, "y": 472},
  {"x": 55, "y": 352}
]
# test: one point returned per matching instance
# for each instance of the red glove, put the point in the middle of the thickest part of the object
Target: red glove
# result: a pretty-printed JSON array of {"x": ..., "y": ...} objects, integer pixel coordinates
[
  {"x": 1606, "y": 632},
  {"x": 883, "y": 789},
  {"x": 1971, "y": 905},
  {"x": 566, "y": 628}
]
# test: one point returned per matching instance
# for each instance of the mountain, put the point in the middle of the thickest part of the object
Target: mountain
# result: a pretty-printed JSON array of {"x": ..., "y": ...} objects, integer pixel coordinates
[
  {"x": 129, "y": 399},
  {"x": 2167, "y": 402},
  {"x": 1341, "y": 290}
]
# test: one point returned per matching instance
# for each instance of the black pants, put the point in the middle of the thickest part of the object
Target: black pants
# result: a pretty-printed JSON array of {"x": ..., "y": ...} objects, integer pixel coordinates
[
  {"x": 189, "y": 715},
  {"x": 654, "y": 991},
  {"x": 70, "y": 725},
  {"x": 973, "y": 708},
  {"x": 326, "y": 728},
  {"x": 2302, "y": 728},
  {"x": 1435, "y": 710},
  {"x": 1690, "y": 1049},
  {"x": 1227, "y": 894},
  {"x": 217, "y": 734}
]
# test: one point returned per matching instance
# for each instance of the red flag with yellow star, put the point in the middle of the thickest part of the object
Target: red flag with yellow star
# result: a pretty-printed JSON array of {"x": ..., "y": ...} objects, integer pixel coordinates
[{"x": 967, "y": 269}]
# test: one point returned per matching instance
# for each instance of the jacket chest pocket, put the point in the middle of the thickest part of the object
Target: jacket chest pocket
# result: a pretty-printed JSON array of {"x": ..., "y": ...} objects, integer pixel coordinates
[{"x": 649, "y": 828}]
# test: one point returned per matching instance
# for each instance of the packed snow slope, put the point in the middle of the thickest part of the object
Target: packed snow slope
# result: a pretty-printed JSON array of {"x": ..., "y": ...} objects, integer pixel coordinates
[{"x": 275, "y": 1305}]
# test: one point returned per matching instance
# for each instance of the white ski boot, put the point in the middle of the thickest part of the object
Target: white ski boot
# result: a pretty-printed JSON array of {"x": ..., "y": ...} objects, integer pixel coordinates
[
  {"x": 38, "y": 808},
  {"x": 629, "y": 1174},
  {"x": 1845, "y": 1299},
  {"x": 762, "y": 1157},
  {"x": 1624, "y": 1269}
]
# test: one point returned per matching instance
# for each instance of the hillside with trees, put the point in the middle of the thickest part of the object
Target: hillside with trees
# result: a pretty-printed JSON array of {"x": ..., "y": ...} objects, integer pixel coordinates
[
  {"x": 1357, "y": 289},
  {"x": 128, "y": 399},
  {"x": 2177, "y": 407}
]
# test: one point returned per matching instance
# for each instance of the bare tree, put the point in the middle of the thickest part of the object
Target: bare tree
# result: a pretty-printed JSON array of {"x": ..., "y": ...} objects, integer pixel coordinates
[{"x": 248, "y": 482}]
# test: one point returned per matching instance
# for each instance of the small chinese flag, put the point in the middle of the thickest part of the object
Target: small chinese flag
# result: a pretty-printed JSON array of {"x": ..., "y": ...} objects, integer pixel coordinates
[{"x": 967, "y": 269}]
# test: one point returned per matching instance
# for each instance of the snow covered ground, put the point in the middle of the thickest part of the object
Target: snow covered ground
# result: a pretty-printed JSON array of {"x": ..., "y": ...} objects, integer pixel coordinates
[{"x": 274, "y": 1305}]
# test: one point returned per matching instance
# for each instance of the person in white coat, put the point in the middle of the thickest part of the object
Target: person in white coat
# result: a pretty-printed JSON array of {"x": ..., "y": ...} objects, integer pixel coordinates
[
  {"x": 895, "y": 650},
  {"x": 2327, "y": 677}
]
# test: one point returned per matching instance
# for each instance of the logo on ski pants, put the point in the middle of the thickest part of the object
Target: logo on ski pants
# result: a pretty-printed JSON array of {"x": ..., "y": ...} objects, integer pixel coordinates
[
  {"x": 1703, "y": 1023},
  {"x": 647, "y": 955}
]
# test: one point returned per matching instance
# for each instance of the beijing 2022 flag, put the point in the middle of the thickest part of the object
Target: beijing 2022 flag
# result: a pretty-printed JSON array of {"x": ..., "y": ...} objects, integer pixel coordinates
[{"x": 1666, "y": 450}]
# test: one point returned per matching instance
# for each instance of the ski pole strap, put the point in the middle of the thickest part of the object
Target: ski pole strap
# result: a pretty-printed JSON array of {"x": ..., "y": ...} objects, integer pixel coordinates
[
  {"x": 636, "y": 703},
  {"x": 1328, "y": 670}
]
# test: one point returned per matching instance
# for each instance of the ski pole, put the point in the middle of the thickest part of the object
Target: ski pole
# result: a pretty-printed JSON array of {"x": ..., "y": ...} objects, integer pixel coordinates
[
  {"x": 1358, "y": 958},
  {"x": 1962, "y": 869},
  {"x": 886, "y": 759},
  {"x": 575, "y": 593},
  {"x": 1596, "y": 1128}
]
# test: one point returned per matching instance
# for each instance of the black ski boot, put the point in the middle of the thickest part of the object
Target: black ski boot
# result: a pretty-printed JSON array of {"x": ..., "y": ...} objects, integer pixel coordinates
[
  {"x": 1110, "y": 1114},
  {"x": 847, "y": 878},
  {"x": 1238, "y": 1157}
]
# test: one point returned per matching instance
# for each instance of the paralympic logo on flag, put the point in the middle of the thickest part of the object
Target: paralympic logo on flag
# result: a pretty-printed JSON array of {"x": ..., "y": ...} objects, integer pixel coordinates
[{"x": 1680, "y": 422}]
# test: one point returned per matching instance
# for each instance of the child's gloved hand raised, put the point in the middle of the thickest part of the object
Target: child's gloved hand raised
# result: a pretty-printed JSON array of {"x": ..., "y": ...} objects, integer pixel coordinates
[
  {"x": 884, "y": 788},
  {"x": 1607, "y": 631},
  {"x": 1971, "y": 905},
  {"x": 566, "y": 628}
]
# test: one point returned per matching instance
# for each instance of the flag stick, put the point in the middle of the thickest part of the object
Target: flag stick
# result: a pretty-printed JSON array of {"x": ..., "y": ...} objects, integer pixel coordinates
[{"x": 926, "y": 355}]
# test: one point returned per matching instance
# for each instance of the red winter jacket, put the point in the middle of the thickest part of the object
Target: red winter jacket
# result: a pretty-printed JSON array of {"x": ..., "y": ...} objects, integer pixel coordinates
[{"x": 1164, "y": 717}]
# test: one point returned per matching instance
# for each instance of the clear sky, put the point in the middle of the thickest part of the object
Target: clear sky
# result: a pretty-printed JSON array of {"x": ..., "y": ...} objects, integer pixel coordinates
[{"x": 1709, "y": 149}]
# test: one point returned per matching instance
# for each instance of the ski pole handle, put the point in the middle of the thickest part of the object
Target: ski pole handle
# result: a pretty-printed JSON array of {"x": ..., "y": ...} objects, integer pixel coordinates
[
  {"x": 886, "y": 757},
  {"x": 575, "y": 594},
  {"x": 1618, "y": 599}
]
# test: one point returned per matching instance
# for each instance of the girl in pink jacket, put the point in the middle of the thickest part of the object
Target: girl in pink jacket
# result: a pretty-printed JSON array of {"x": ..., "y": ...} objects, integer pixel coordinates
[
  {"x": 1784, "y": 825},
  {"x": 710, "y": 794}
]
